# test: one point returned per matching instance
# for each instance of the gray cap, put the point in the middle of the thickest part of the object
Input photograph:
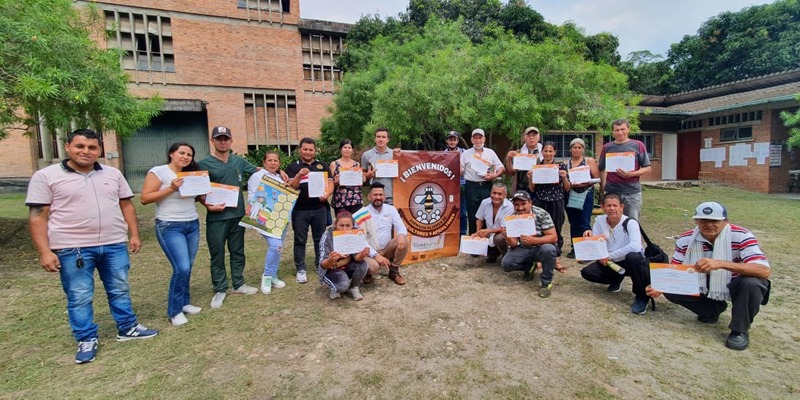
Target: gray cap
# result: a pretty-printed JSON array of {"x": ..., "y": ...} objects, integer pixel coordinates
[{"x": 478, "y": 131}]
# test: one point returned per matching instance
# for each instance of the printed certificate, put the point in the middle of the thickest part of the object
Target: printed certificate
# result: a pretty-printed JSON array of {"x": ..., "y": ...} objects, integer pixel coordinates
[
  {"x": 524, "y": 162},
  {"x": 223, "y": 194},
  {"x": 351, "y": 177},
  {"x": 195, "y": 183},
  {"x": 674, "y": 278},
  {"x": 316, "y": 183},
  {"x": 518, "y": 225},
  {"x": 580, "y": 175},
  {"x": 625, "y": 161},
  {"x": 475, "y": 246},
  {"x": 349, "y": 242},
  {"x": 386, "y": 169},
  {"x": 590, "y": 248},
  {"x": 479, "y": 165},
  {"x": 546, "y": 174}
]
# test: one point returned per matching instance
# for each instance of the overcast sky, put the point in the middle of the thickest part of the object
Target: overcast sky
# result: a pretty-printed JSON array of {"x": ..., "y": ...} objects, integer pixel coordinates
[{"x": 639, "y": 24}]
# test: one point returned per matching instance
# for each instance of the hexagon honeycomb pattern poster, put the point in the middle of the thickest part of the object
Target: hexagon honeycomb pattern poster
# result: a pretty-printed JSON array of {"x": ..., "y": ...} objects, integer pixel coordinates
[{"x": 269, "y": 207}]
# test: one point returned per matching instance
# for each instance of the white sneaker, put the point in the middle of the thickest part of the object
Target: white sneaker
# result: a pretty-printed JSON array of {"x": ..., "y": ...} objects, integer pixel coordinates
[
  {"x": 178, "y": 320},
  {"x": 301, "y": 277},
  {"x": 216, "y": 301},
  {"x": 244, "y": 289},
  {"x": 191, "y": 310},
  {"x": 355, "y": 292},
  {"x": 277, "y": 283},
  {"x": 334, "y": 294},
  {"x": 266, "y": 284}
]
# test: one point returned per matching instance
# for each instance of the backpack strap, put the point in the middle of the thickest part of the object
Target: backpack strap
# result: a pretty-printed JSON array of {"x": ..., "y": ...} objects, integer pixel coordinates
[{"x": 641, "y": 230}]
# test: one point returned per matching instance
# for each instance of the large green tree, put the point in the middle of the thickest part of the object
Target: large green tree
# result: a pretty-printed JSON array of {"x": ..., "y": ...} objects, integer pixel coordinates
[
  {"x": 51, "y": 68},
  {"x": 440, "y": 79},
  {"x": 792, "y": 121}
]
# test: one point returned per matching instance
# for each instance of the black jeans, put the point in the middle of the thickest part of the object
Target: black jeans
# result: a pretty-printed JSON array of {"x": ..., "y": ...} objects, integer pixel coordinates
[
  {"x": 301, "y": 221},
  {"x": 475, "y": 193},
  {"x": 636, "y": 266}
]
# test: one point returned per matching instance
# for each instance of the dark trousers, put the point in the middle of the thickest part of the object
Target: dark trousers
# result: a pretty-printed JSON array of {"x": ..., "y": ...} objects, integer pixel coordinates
[
  {"x": 522, "y": 258},
  {"x": 217, "y": 234},
  {"x": 556, "y": 211},
  {"x": 475, "y": 193},
  {"x": 580, "y": 219},
  {"x": 463, "y": 221},
  {"x": 500, "y": 246},
  {"x": 747, "y": 294},
  {"x": 636, "y": 266},
  {"x": 315, "y": 219}
]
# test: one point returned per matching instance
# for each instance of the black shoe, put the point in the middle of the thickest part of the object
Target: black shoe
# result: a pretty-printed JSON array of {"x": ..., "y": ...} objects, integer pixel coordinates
[
  {"x": 640, "y": 305},
  {"x": 571, "y": 254},
  {"x": 527, "y": 276},
  {"x": 737, "y": 340},
  {"x": 615, "y": 287}
]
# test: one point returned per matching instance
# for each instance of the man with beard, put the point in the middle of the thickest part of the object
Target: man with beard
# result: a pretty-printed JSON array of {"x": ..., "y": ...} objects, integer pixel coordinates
[{"x": 379, "y": 220}]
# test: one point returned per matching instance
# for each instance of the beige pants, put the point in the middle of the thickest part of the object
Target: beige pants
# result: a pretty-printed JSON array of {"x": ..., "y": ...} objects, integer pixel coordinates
[{"x": 391, "y": 252}]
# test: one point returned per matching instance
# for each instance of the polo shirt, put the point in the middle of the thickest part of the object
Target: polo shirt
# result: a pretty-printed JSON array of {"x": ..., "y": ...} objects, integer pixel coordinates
[
  {"x": 744, "y": 247},
  {"x": 616, "y": 183},
  {"x": 303, "y": 201},
  {"x": 485, "y": 210},
  {"x": 227, "y": 173},
  {"x": 370, "y": 159},
  {"x": 84, "y": 208},
  {"x": 467, "y": 159}
]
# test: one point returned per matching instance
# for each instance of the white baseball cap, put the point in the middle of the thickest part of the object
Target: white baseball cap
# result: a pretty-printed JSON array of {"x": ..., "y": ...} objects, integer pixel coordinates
[{"x": 711, "y": 210}]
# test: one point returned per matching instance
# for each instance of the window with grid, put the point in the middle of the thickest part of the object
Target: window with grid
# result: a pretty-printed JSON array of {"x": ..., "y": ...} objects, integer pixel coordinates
[
  {"x": 734, "y": 134},
  {"x": 265, "y": 5},
  {"x": 562, "y": 140},
  {"x": 320, "y": 52},
  {"x": 146, "y": 40}
]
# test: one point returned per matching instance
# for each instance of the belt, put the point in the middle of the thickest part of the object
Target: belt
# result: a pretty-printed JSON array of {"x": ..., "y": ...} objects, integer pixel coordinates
[{"x": 479, "y": 183}]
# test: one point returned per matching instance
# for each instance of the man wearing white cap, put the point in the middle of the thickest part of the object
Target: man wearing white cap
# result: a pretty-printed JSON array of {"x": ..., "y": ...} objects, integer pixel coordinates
[
  {"x": 480, "y": 166},
  {"x": 532, "y": 146},
  {"x": 732, "y": 267}
]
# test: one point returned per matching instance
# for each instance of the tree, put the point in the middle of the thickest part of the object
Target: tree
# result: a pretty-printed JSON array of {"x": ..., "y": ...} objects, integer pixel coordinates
[
  {"x": 440, "y": 80},
  {"x": 647, "y": 73},
  {"x": 792, "y": 121},
  {"x": 51, "y": 68}
]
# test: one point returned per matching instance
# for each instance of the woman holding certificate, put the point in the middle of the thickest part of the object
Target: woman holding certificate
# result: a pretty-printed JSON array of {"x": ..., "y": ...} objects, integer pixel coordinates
[
  {"x": 177, "y": 226},
  {"x": 548, "y": 181},
  {"x": 580, "y": 200},
  {"x": 345, "y": 170},
  {"x": 342, "y": 251}
]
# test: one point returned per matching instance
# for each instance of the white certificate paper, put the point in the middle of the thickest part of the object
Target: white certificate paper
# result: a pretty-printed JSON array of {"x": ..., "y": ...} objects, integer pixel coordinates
[
  {"x": 580, "y": 175},
  {"x": 674, "y": 278},
  {"x": 625, "y": 161},
  {"x": 546, "y": 174},
  {"x": 350, "y": 177},
  {"x": 475, "y": 246},
  {"x": 518, "y": 225},
  {"x": 316, "y": 183},
  {"x": 195, "y": 183},
  {"x": 524, "y": 162},
  {"x": 479, "y": 165},
  {"x": 349, "y": 242},
  {"x": 590, "y": 248},
  {"x": 386, "y": 169},
  {"x": 223, "y": 194}
]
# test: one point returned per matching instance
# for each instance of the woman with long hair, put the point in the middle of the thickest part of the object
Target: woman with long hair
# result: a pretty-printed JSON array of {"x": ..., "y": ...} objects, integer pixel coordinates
[{"x": 345, "y": 198}]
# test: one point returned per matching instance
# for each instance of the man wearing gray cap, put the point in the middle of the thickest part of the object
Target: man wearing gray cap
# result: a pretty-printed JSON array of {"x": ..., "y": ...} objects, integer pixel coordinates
[
  {"x": 731, "y": 266},
  {"x": 531, "y": 146},
  {"x": 480, "y": 167}
]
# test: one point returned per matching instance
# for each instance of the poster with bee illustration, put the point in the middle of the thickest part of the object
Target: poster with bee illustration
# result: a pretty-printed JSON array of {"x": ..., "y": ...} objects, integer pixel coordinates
[
  {"x": 427, "y": 194},
  {"x": 269, "y": 208}
]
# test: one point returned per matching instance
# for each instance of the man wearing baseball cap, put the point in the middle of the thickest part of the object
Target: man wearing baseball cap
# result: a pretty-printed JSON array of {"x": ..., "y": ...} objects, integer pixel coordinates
[
  {"x": 531, "y": 146},
  {"x": 525, "y": 250},
  {"x": 732, "y": 266},
  {"x": 480, "y": 166},
  {"x": 452, "y": 140}
]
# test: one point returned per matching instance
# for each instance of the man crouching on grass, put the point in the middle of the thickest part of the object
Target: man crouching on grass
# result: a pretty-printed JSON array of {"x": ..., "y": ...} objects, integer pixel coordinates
[{"x": 733, "y": 268}]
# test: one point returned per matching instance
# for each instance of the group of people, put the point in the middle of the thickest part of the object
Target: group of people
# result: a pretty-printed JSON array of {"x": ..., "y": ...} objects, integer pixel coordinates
[{"x": 82, "y": 219}]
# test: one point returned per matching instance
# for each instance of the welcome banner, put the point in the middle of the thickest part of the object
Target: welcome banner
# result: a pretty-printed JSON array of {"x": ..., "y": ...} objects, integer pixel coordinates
[{"x": 427, "y": 195}]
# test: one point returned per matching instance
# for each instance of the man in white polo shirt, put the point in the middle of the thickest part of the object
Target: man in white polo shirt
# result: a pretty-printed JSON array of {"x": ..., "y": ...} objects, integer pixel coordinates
[
  {"x": 80, "y": 216},
  {"x": 480, "y": 166}
]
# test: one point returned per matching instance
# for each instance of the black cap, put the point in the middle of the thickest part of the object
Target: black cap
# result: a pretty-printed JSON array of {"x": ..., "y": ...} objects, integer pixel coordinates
[
  {"x": 521, "y": 194},
  {"x": 220, "y": 131},
  {"x": 453, "y": 134}
]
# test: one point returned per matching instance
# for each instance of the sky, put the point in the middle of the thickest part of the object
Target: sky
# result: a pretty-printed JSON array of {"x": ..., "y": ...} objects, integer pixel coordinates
[{"x": 638, "y": 24}]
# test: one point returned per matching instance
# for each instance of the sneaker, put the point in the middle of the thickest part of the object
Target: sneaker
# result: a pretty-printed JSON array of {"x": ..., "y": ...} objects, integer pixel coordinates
[
  {"x": 244, "y": 289},
  {"x": 334, "y": 294},
  {"x": 527, "y": 275},
  {"x": 301, "y": 277},
  {"x": 178, "y": 320},
  {"x": 737, "y": 340},
  {"x": 86, "y": 351},
  {"x": 545, "y": 290},
  {"x": 639, "y": 305},
  {"x": 216, "y": 301},
  {"x": 191, "y": 310},
  {"x": 137, "y": 332},
  {"x": 615, "y": 287},
  {"x": 355, "y": 293},
  {"x": 266, "y": 284},
  {"x": 277, "y": 283}
]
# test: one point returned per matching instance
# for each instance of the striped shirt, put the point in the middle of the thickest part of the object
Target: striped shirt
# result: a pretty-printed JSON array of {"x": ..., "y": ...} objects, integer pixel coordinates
[{"x": 744, "y": 247}]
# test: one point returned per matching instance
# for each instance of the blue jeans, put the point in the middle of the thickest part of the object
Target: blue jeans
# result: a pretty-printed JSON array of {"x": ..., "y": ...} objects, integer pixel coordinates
[
  {"x": 112, "y": 264},
  {"x": 179, "y": 240},
  {"x": 273, "y": 257}
]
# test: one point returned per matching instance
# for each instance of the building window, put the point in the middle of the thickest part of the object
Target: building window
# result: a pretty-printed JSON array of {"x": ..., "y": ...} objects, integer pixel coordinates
[
  {"x": 271, "y": 118},
  {"x": 735, "y": 118},
  {"x": 734, "y": 134},
  {"x": 320, "y": 53},
  {"x": 695, "y": 124},
  {"x": 146, "y": 40},
  {"x": 562, "y": 140},
  {"x": 648, "y": 140},
  {"x": 265, "y": 5}
]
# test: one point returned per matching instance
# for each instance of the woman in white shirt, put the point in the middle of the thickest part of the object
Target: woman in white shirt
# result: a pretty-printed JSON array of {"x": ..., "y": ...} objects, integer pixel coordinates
[{"x": 177, "y": 226}]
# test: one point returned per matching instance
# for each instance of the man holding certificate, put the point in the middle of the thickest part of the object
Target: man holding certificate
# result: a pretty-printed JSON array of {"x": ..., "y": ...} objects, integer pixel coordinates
[
  {"x": 622, "y": 162},
  {"x": 531, "y": 150},
  {"x": 531, "y": 237},
  {"x": 380, "y": 220},
  {"x": 480, "y": 167},
  {"x": 731, "y": 267},
  {"x": 624, "y": 249},
  {"x": 343, "y": 252},
  {"x": 490, "y": 213}
]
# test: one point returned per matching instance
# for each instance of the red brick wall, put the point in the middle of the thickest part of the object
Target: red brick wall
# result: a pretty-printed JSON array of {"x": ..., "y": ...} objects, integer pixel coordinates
[
  {"x": 219, "y": 8},
  {"x": 19, "y": 154}
]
